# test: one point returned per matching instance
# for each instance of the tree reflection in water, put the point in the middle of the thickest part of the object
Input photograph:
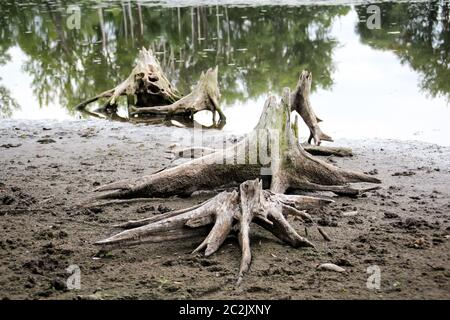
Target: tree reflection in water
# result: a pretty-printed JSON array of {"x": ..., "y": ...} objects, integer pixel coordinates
[
  {"x": 257, "y": 49},
  {"x": 419, "y": 34}
]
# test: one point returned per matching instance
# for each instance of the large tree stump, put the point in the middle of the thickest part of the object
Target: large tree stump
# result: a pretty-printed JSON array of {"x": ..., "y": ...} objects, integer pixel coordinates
[{"x": 270, "y": 150}]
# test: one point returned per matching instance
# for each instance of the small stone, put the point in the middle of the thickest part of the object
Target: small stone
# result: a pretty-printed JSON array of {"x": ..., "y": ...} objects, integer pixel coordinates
[
  {"x": 59, "y": 285},
  {"x": 163, "y": 209}
]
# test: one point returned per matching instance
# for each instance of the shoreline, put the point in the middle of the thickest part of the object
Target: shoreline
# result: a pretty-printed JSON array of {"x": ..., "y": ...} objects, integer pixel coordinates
[
  {"x": 100, "y": 124},
  {"x": 50, "y": 166}
]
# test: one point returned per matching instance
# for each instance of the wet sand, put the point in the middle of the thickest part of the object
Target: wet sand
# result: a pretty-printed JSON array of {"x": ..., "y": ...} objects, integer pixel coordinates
[{"x": 49, "y": 167}]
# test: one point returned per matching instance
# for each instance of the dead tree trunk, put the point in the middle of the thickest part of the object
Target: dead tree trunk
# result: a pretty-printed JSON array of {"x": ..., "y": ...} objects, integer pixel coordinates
[
  {"x": 147, "y": 87},
  {"x": 270, "y": 150}
]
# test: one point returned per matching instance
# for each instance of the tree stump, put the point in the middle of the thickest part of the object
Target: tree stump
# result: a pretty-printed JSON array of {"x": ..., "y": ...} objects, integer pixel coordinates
[{"x": 149, "y": 92}]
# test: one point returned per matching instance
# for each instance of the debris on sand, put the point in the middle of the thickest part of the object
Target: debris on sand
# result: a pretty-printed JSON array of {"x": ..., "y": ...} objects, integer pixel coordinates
[
  {"x": 330, "y": 267},
  {"x": 420, "y": 243},
  {"x": 10, "y": 145},
  {"x": 403, "y": 174},
  {"x": 350, "y": 213},
  {"x": 46, "y": 141}
]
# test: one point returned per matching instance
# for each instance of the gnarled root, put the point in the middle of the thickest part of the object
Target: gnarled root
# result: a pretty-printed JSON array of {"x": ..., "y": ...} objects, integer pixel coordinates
[
  {"x": 221, "y": 215},
  {"x": 147, "y": 83},
  {"x": 204, "y": 96}
]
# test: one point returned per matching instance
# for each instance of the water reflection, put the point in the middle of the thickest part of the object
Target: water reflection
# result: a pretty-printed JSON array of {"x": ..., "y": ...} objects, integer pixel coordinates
[
  {"x": 419, "y": 34},
  {"x": 177, "y": 121},
  {"x": 257, "y": 49}
]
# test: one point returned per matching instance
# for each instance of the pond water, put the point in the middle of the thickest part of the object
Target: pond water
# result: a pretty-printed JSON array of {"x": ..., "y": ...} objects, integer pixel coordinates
[{"x": 391, "y": 82}]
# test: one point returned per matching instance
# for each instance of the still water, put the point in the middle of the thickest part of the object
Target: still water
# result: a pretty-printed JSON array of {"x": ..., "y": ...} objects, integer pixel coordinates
[{"x": 392, "y": 82}]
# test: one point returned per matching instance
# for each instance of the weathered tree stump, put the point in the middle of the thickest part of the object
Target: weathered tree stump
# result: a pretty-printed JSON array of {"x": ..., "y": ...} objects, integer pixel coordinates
[
  {"x": 204, "y": 96},
  {"x": 148, "y": 91},
  {"x": 284, "y": 162}
]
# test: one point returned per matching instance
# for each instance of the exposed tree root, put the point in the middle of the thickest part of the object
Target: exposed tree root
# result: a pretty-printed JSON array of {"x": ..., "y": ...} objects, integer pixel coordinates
[
  {"x": 107, "y": 94},
  {"x": 119, "y": 201},
  {"x": 196, "y": 152},
  {"x": 226, "y": 212},
  {"x": 327, "y": 151}
]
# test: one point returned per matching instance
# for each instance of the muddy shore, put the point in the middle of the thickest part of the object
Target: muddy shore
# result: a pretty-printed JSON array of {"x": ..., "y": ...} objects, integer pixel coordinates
[{"x": 48, "y": 167}]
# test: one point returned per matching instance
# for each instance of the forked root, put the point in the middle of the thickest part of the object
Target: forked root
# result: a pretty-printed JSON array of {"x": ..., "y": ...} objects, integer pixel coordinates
[
  {"x": 221, "y": 215},
  {"x": 301, "y": 103}
]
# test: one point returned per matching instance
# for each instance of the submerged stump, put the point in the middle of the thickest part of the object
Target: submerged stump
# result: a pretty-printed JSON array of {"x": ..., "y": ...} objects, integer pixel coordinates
[{"x": 148, "y": 91}]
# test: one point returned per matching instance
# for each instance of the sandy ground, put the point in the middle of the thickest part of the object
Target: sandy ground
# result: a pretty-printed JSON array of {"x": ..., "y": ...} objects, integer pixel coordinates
[{"x": 47, "y": 168}]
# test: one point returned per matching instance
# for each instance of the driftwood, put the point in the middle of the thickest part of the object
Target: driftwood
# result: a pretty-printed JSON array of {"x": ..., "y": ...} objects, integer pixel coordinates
[
  {"x": 301, "y": 103},
  {"x": 149, "y": 91}
]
